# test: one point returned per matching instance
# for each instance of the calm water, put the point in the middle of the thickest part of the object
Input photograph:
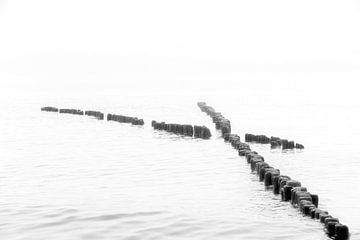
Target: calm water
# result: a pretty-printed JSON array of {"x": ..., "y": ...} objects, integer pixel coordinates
[{"x": 74, "y": 177}]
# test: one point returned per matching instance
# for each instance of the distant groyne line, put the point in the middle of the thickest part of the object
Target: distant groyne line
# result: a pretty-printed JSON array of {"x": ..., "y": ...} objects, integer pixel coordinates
[
  {"x": 181, "y": 129},
  {"x": 97, "y": 114},
  {"x": 289, "y": 189}
]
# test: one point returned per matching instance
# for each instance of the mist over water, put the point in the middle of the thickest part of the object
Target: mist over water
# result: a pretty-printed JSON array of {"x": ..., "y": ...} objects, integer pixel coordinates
[{"x": 276, "y": 68}]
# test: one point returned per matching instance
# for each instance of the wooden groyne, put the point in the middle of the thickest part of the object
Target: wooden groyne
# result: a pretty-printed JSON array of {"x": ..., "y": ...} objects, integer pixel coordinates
[
  {"x": 125, "y": 119},
  {"x": 202, "y": 132},
  {"x": 289, "y": 189},
  {"x": 50, "y": 109},
  {"x": 275, "y": 142},
  {"x": 221, "y": 123},
  {"x": 183, "y": 129},
  {"x": 97, "y": 114},
  {"x": 71, "y": 111}
]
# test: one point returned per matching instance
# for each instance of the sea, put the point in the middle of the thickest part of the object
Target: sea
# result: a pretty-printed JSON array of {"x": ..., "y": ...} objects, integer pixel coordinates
[{"x": 75, "y": 177}]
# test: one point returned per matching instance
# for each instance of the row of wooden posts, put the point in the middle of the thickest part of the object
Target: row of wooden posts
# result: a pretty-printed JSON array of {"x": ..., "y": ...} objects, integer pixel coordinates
[
  {"x": 289, "y": 189},
  {"x": 183, "y": 129},
  {"x": 275, "y": 142},
  {"x": 221, "y": 123},
  {"x": 97, "y": 114},
  {"x": 125, "y": 119}
]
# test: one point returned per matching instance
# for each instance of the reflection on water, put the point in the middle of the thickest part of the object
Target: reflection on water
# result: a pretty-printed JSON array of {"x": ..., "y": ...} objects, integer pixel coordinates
[{"x": 74, "y": 177}]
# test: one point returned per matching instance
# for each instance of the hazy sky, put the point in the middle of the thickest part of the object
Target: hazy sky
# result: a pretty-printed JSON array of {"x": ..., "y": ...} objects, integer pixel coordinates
[{"x": 111, "y": 43}]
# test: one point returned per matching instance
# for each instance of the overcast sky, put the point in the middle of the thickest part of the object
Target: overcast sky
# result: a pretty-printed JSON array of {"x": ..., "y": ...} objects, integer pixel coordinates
[{"x": 110, "y": 43}]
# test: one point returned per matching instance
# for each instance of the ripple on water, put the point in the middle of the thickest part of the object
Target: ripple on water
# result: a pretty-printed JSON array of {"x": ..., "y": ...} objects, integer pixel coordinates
[{"x": 102, "y": 180}]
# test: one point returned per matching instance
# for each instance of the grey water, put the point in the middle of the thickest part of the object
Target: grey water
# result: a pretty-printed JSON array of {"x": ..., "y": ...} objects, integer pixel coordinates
[{"x": 74, "y": 177}]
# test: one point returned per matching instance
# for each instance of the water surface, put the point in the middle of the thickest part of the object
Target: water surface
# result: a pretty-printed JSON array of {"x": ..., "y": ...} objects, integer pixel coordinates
[{"x": 74, "y": 177}]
